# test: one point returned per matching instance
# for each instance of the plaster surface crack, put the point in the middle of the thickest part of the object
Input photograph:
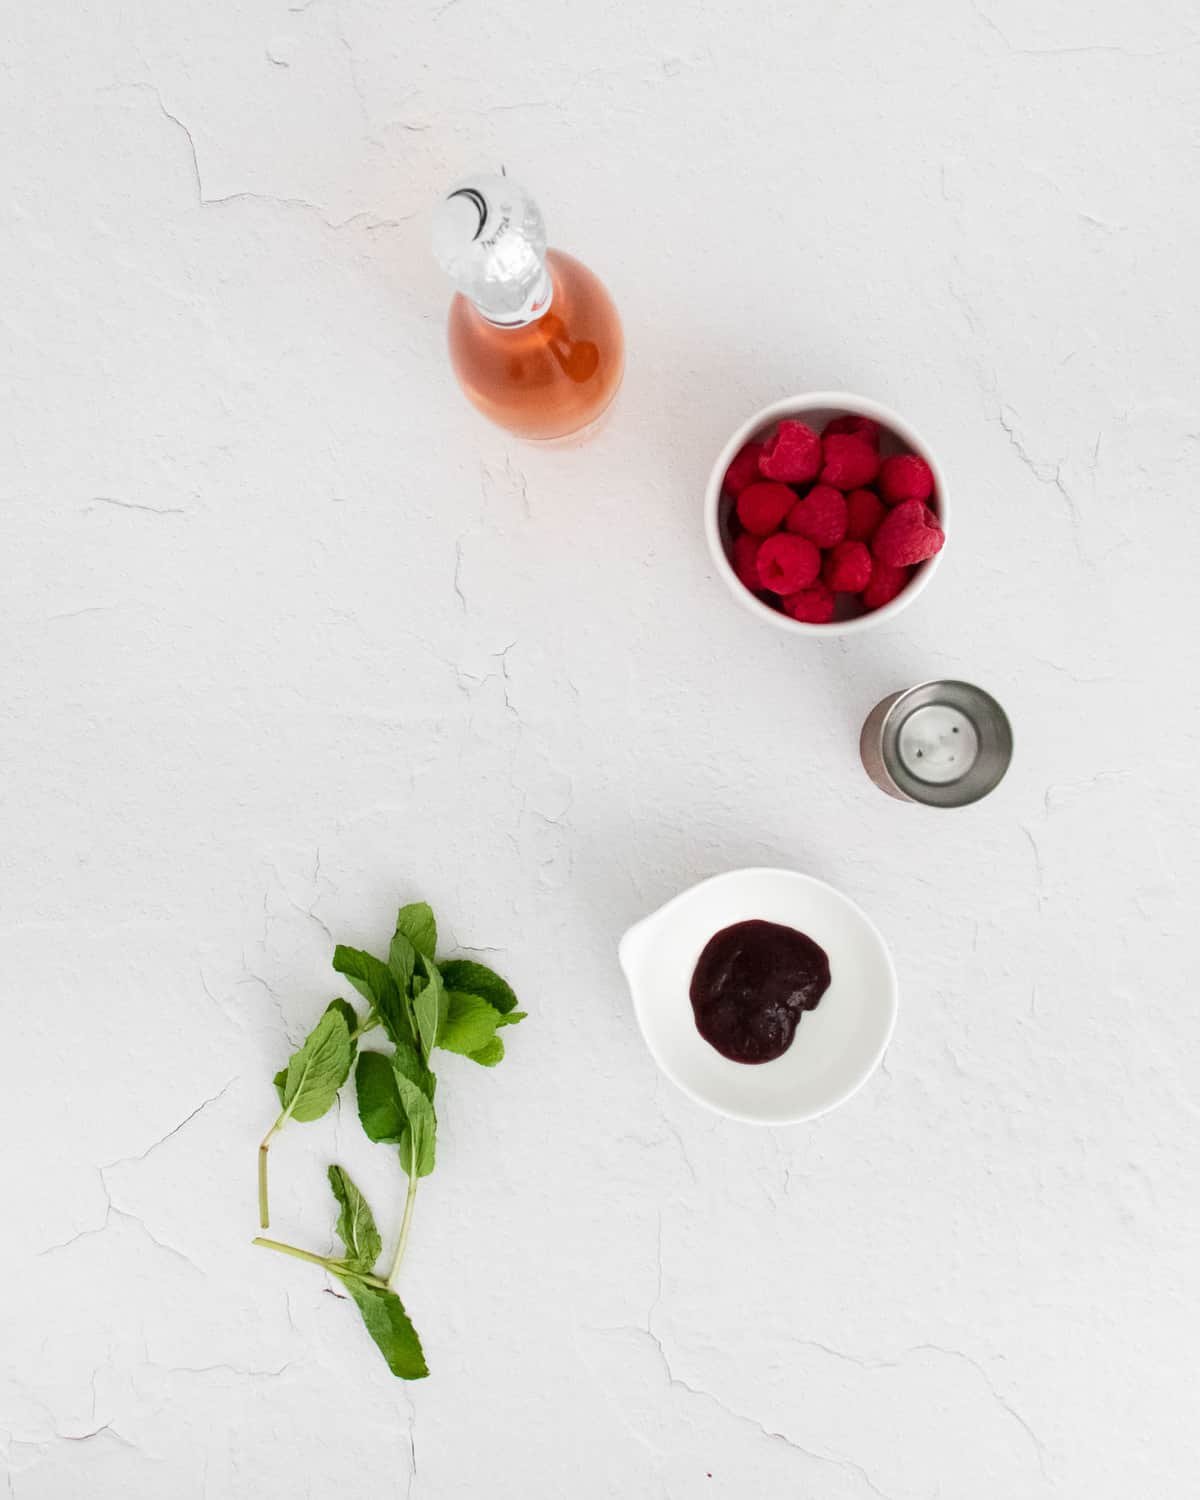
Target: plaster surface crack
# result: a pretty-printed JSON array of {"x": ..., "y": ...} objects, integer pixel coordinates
[
  {"x": 179, "y": 125},
  {"x": 1060, "y": 787},
  {"x": 412, "y": 1450},
  {"x": 86, "y": 1437},
  {"x": 87, "y": 609},
  {"x": 175, "y": 1129},
  {"x": 112, "y": 1210},
  {"x": 458, "y": 563},
  {"x": 1005, "y": 1405},
  {"x": 671, "y": 1128},
  {"x": 245, "y": 195},
  {"x": 1076, "y": 50},
  {"x": 847, "y": 1465},
  {"x": 980, "y": 1369},
  {"x": 150, "y": 510},
  {"x": 1039, "y": 866},
  {"x": 222, "y": 1366},
  {"x": 273, "y": 995},
  {"x": 1045, "y": 473},
  {"x": 204, "y": 201}
]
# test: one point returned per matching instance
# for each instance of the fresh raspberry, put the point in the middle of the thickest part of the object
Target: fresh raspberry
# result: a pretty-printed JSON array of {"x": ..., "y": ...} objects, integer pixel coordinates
[
  {"x": 787, "y": 563},
  {"x": 761, "y": 507},
  {"x": 905, "y": 477},
  {"x": 847, "y": 568},
  {"x": 793, "y": 454},
  {"x": 814, "y": 605},
  {"x": 745, "y": 560},
  {"x": 909, "y": 533},
  {"x": 862, "y": 427},
  {"x": 820, "y": 516},
  {"x": 850, "y": 462},
  {"x": 864, "y": 511},
  {"x": 743, "y": 470},
  {"x": 886, "y": 582}
]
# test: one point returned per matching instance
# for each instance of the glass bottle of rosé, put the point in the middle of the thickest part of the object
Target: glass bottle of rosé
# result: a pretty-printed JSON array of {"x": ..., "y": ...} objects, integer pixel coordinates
[{"x": 535, "y": 340}]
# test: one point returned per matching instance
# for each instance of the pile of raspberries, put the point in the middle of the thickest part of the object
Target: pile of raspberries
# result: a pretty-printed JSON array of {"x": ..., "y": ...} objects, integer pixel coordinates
[{"x": 817, "y": 516}]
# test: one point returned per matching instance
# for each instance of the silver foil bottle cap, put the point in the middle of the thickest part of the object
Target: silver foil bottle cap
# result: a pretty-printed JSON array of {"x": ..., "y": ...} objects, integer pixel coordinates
[
  {"x": 490, "y": 239},
  {"x": 945, "y": 744}
]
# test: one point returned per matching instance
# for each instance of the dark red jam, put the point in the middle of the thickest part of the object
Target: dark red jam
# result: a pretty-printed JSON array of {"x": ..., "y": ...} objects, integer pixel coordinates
[{"x": 752, "y": 984}]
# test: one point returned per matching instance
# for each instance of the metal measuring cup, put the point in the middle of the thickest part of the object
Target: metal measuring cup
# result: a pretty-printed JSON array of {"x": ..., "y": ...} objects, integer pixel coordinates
[{"x": 945, "y": 744}]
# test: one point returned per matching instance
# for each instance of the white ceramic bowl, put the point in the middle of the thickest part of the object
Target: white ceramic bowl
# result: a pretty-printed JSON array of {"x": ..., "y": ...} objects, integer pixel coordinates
[
  {"x": 837, "y": 1046},
  {"x": 816, "y": 410}
]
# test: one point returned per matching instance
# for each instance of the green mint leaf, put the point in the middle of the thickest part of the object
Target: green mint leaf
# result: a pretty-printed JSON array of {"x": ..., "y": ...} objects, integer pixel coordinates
[
  {"x": 418, "y": 1146},
  {"x": 513, "y": 1017},
  {"x": 368, "y": 974},
  {"x": 348, "y": 1011},
  {"x": 489, "y": 1056},
  {"x": 399, "y": 1023},
  {"x": 407, "y": 1061},
  {"x": 425, "y": 1146},
  {"x": 389, "y": 1325},
  {"x": 477, "y": 979},
  {"x": 430, "y": 1006},
  {"x": 416, "y": 922},
  {"x": 372, "y": 978},
  {"x": 395, "y": 1104},
  {"x": 470, "y": 1024},
  {"x": 318, "y": 1070},
  {"x": 379, "y": 1108},
  {"x": 351, "y": 1015},
  {"x": 356, "y": 1223},
  {"x": 402, "y": 961}
]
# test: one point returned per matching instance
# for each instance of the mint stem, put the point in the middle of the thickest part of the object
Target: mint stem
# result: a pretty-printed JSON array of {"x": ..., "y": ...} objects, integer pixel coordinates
[
  {"x": 405, "y": 1224},
  {"x": 368, "y": 1025},
  {"x": 308, "y": 1255},
  {"x": 327, "y": 1263},
  {"x": 264, "y": 1216}
]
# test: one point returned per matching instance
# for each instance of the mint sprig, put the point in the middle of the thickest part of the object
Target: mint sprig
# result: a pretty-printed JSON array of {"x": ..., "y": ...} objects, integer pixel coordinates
[{"x": 420, "y": 1004}]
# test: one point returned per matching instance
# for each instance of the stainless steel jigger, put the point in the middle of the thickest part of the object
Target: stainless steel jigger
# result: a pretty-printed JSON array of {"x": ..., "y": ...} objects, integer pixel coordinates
[{"x": 945, "y": 744}]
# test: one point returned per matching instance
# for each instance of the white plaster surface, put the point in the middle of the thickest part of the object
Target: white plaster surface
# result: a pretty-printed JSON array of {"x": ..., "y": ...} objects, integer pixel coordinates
[{"x": 290, "y": 635}]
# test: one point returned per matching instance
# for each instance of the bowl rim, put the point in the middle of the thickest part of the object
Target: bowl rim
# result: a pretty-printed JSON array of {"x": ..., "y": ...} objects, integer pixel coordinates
[
  {"x": 681, "y": 1084},
  {"x": 798, "y": 406}
]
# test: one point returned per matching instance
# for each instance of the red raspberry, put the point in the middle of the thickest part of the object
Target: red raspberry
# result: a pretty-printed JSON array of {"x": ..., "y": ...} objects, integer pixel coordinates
[
  {"x": 862, "y": 427},
  {"x": 820, "y": 516},
  {"x": 793, "y": 454},
  {"x": 745, "y": 560},
  {"x": 787, "y": 563},
  {"x": 761, "y": 507},
  {"x": 886, "y": 582},
  {"x": 850, "y": 462},
  {"x": 905, "y": 477},
  {"x": 847, "y": 568},
  {"x": 909, "y": 533},
  {"x": 743, "y": 470},
  {"x": 864, "y": 511},
  {"x": 814, "y": 605}
]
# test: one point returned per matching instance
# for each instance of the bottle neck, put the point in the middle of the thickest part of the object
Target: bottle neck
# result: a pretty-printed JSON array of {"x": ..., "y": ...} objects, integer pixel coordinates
[{"x": 537, "y": 304}]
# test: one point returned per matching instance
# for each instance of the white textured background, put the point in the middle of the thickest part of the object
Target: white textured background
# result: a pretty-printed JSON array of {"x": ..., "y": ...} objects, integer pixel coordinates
[{"x": 290, "y": 635}]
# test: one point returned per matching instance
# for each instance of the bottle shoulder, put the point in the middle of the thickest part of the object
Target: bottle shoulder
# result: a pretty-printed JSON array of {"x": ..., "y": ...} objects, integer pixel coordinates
[
  {"x": 580, "y": 308},
  {"x": 552, "y": 376}
]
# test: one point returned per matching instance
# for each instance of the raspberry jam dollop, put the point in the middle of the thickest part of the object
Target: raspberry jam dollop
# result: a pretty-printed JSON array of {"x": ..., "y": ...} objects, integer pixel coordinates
[{"x": 752, "y": 984}]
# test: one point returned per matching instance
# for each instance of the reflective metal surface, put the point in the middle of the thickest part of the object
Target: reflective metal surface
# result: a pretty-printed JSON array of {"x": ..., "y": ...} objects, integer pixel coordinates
[{"x": 944, "y": 744}]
